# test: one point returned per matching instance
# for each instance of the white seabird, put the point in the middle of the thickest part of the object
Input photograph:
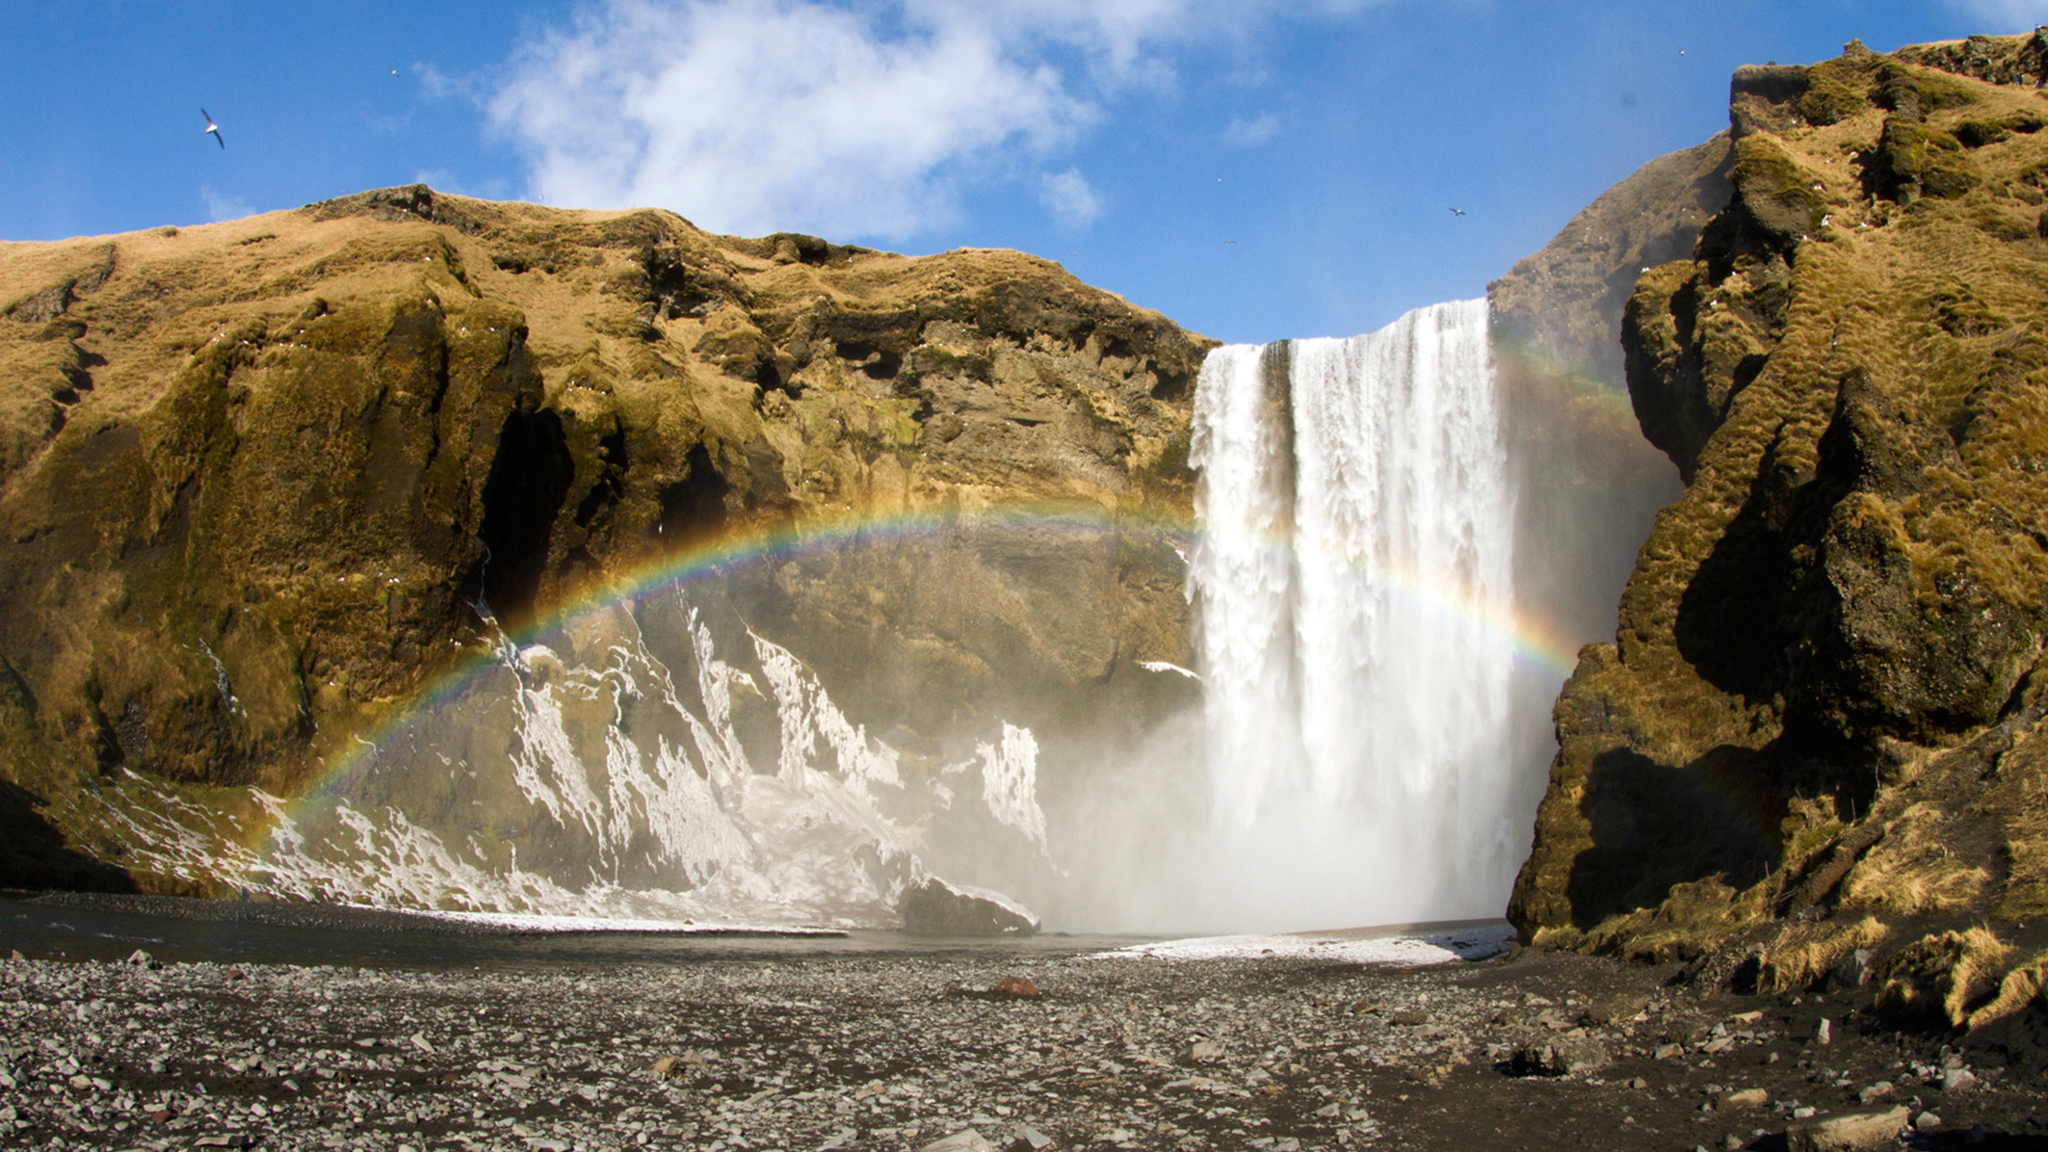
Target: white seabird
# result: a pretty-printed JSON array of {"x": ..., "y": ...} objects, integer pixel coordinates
[{"x": 213, "y": 129}]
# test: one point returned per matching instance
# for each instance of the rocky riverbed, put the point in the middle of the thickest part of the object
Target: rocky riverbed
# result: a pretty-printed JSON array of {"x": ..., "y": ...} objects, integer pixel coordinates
[{"x": 902, "y": 1050}]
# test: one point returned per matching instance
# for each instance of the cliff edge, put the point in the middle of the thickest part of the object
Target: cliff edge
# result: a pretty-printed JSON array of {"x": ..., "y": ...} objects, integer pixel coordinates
[{"x": 1815, "y": 750}]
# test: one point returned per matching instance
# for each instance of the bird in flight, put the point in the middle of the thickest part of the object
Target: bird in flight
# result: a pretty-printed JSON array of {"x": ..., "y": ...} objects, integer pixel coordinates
[
  {"x": 213, "y": 129},
  {"x": 1457, "y": 211}
]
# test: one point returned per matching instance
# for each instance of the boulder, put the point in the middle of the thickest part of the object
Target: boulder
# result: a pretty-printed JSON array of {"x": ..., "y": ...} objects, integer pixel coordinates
[
  {"x": 1847, "y": 1131},
  {"x": 940, "y": 909}
]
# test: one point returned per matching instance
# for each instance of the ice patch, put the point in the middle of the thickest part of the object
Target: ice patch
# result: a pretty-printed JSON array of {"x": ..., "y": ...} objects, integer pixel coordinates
[
  {"x": 1009, "y": 783},
  {"x": 574, "y": 779},
  {"x": 1366, "y": 946}
]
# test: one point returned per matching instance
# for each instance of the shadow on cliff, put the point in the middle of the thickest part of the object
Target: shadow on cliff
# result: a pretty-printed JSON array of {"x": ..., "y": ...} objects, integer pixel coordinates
[
  {"x": 1655, "y": 827},
  {"x": 1728, "y": 625},
  {"x": 33, "y": 853},
  {"x": 1744, "y": 612}
]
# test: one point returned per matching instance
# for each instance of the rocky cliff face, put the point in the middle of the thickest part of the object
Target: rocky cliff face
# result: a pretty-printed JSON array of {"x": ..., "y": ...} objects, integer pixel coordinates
[
  {"x": 255, "y": 477},
  {"x": 1559, "y": 310},
  {"x": 1819, "y": 730}
]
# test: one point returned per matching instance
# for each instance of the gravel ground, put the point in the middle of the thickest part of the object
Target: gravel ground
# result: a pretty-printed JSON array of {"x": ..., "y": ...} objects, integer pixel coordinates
[{"x": 898, "y": 1051}]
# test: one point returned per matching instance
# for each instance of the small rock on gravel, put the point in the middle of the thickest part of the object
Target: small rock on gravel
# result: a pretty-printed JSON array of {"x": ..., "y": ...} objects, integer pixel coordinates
[
  {"x": 1745, "y": 1098},
  {"x": 1025, "y": 1138},
  {"x": 1854, "y": 969},
  {"x": 1616, "y": 1008},
  {"x": 1560, "y": 1056},
  {"x": 965, "y": 1140}
]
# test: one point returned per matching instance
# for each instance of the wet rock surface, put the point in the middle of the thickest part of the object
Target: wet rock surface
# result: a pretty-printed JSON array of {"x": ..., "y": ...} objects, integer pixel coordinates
[{"x": 885, "y": 1051}]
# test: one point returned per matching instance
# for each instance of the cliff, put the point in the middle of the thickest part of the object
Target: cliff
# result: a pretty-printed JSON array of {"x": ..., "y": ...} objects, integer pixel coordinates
[
  {"x": 1559, "y": 309},
  {"x": 256, "y": 477},
  {"x": 1815, "y": 750}
]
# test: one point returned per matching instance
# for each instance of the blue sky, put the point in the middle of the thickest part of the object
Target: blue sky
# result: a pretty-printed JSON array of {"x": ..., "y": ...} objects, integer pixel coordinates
[{"x": 1252, "y": 168}]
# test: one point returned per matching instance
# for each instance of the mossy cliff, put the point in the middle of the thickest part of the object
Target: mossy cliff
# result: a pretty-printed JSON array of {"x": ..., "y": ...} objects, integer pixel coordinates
[
  {"x": 1819, "y": 728},
  {"x": 254, "y": 475}
]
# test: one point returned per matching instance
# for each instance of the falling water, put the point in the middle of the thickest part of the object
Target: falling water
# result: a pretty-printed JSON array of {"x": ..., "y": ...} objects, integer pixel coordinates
[{"x": 1353, "y": 580}]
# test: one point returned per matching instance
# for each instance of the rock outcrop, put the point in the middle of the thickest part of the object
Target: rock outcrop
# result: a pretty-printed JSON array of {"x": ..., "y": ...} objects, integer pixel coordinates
[
  {"x": 256, "y": 478},
  {"x": 1559, "y": 310},
  {"x": 1819, "y": 728}
]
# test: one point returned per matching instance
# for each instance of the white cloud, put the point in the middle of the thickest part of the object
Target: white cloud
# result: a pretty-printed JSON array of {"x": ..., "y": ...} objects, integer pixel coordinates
[
  {"x": 438, "y": 85},
  {"x": 220, "y": 207},
  {"x": 1070, "y": 198},
  {"x": 862, "y": 118},
  {"x": 2006, "y": 15},
  {"x": 1250, "y": 133}
]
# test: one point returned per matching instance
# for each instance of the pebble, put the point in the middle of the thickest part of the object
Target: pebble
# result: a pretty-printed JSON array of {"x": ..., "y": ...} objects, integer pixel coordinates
[
  {"x": 964, "y": 1141},
  {"x": 1017, "y": 987}
]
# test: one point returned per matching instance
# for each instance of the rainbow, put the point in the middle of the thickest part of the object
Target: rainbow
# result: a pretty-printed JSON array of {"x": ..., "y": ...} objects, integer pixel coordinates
[{"x": 1524, "y": 637}]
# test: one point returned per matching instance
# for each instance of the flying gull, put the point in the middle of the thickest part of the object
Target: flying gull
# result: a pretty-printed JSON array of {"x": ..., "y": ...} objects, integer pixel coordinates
[
  {"x": 1457, "y": 211},
  {"x": 212, "y": 128}
]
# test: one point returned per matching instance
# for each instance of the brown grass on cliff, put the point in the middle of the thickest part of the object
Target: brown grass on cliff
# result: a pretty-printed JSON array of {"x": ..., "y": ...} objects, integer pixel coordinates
[{"x": 1830, "y": 644}]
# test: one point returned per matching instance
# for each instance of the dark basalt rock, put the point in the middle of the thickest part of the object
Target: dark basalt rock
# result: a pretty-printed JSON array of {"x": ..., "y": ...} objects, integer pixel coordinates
[{"x": 937, "y": 908}]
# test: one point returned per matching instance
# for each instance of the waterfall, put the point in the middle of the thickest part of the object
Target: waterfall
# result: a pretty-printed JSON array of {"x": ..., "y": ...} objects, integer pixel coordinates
[{"x": 1354, "y": 588}]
